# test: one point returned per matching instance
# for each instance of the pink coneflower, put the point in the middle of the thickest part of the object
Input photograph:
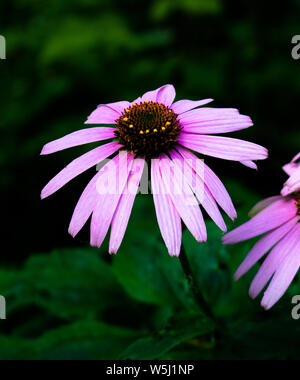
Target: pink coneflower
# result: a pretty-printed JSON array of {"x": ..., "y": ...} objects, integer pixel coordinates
[
  {"x": 278, "y": 219},
  {"x": 155, "y": 130},
  {"x": 292, "y": 185}
]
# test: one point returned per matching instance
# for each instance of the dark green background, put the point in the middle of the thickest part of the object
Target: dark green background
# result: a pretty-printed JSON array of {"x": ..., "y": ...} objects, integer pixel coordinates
[{"x": 67, "y": 301}]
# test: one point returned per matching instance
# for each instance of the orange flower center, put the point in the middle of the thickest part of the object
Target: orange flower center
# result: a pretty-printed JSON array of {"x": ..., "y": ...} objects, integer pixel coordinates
[{"x": 148, "y": 129}]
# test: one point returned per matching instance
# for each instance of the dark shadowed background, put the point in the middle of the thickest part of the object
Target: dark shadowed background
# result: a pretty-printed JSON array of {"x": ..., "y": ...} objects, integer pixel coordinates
[{"x": 68, "y": 301}]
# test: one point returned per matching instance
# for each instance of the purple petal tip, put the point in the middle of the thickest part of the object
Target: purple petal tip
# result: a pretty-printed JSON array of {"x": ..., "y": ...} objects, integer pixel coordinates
[
  {"x": 72, "y": 233},
  {"x": 265, "y": 306},
  {"x": 43, "y": 151},
  {"x": 252, "y": 294},
  {"x": 43, "y": 195}
]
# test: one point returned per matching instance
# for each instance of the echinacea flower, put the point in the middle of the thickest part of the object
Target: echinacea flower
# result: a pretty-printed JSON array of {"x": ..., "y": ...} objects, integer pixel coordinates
[
  {"x": 155, "y": 130},
  {"x": 292, "y": 185},
  {"x": 277, "y": 219}
]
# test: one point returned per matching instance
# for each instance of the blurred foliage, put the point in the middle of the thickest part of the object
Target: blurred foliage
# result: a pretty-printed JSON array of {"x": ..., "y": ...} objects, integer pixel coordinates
[
  {"x": 64, "y": 58},
  {"x": 161, "y": 9}
]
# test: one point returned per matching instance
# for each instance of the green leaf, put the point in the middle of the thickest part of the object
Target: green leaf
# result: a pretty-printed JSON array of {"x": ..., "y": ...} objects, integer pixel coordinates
[
  {"x": 79, "y": 341},
  {"x": 156, "y": 346},
  {"x": 149, "y": 275},
  {"x": 70, "y": 284},
  {"x": 145, "y": 269},
  {"x": 275, "y": 337}
]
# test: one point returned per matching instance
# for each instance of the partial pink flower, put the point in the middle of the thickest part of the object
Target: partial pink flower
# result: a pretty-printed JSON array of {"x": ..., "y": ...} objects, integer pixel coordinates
[
  {"x": 293, "y": 170},
  {"x": 156, "y": 130},
  {"x": 278, "y": 220}
]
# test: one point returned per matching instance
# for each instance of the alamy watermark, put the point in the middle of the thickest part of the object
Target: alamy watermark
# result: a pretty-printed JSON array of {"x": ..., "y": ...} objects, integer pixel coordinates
[
  {"x": 2, "y": 308},
  {"x": 179, "y": 177},
  {"x": 296, "y": 48},
  {"x": 296, "y": 308},
  {"x": 2, "y": 47}
]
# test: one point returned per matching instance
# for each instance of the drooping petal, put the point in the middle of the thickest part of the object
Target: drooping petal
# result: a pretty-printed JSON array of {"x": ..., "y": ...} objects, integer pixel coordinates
[
  {"x": 282, "y": 278},
  {"x": 273, "y": 261},
  {"x": 116, "y": 174},
  {"x": 103, "y": 115},
  {"x": 167, "y": 216},
  {"x": 213, "y": 183},
  {"x": 183, "y": 198},
  {"x": 223, "y": 147},
  {"x": 186, "y": 105},
  {"x": 199, "y": 188},
  {"x": 263, "y": 246},
  {"x": 78, "y": 166},
  {"x": 81, "y": 137},
  {"x": 210, "y": 206},
  {"x": 224, "y": 125},
  {"x": 250, "y": 164},
  {"x": 121, "y": 217},
  {"x": 166, "y": 95},
  {"x": 264, "y": 204},
  {"x": 271, "y": 217},
  {"x": 84, "y": 207}
]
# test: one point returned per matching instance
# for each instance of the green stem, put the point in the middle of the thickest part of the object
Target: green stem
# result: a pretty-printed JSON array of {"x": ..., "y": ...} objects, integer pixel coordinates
[{"x": 193, "y": 285}]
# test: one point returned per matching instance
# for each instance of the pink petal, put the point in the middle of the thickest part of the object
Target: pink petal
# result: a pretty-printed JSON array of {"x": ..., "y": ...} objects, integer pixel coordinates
[
  {"x": 136, "y": 101},
  {"x": 78, "y": 166},
  {"x": 250, "y": 164},
  {"x": 273, "y": 261},
  {"x": 121, "y": 217},
  {"x": 84, "y": 207},
  {"x": 263, "y": 246},
  {"x": 81, "y": 137},
  {"x": 224, "y": 125},
  {"x": 207, "y": 114},
  {"x": 293, "y": 183},
  {"x": 223, "y": 147},
  {"x": 107, "y": 202},
  {"x": 210, "y": 206},
  {"x": 164, "y": 92},
  {"x": 183, "y": 198},
  {"x": 264, "y": 204},
  {"x": 103, "y": 115},
  {"x": 166, "y": 95},
  {"x": 213, "y": 183},
  {"x": 151, "y": 96},
  {"x": 186, "y": 105},
  {"x": 296, "y": 158},
  {"x": 168, "y": 218},
  {"x": 119, "y": 107},
  {"x": 271, "y": 217},
  {"x": 292, "y": 166},
  {"x": 200, "y": 190},
  {"x": 282, "y": 278}
]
